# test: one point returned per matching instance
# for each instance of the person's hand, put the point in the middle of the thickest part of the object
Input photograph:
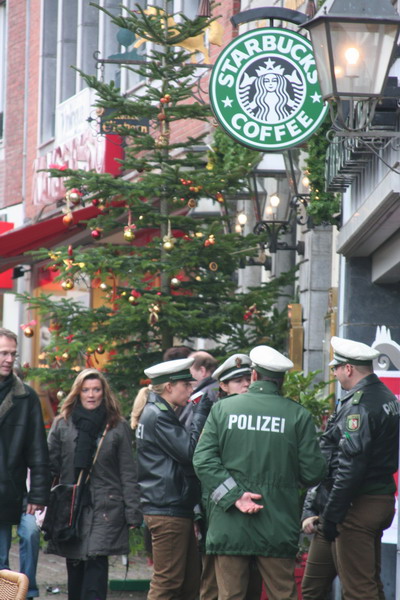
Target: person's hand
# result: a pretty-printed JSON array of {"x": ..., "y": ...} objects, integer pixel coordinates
[
  {"x": 205, "y": 404},
  {"x": 32, "y": 508},
  {"x": 309, "y": 525},
  {"x": 246, "y": 505},
  {"x": 329, "y": 530}
]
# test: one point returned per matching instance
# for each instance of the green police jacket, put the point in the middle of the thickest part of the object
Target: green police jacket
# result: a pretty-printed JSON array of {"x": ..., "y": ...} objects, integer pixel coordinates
[{"x": 263, "y": 443}]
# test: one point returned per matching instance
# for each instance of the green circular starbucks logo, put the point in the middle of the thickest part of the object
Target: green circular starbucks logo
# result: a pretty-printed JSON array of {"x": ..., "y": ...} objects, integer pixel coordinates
[{"x": 264, "y": 89}]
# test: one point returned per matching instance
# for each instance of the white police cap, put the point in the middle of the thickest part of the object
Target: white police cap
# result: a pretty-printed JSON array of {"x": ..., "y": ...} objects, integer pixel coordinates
[
  {"x": 235, "y": 366},
  {"x": 351, "y": 352},
  {"x": 269, "y": 361},
  {"x": 171, "y": 370}
]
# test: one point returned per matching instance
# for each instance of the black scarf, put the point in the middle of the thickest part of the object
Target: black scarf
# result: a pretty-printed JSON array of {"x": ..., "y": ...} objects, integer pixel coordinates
[
  {"x": 5, "y": 386},
  {"x": 90, "y": 424}
]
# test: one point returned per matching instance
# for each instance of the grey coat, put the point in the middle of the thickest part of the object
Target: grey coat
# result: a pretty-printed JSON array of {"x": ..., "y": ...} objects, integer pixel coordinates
[{"x": 113, "y": 488}]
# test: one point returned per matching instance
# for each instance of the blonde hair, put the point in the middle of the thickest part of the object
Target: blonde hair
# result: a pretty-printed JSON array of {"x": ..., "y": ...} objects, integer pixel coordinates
[
  {"x": 141, "y": 400},
  {"x": 110, "y": 401}
]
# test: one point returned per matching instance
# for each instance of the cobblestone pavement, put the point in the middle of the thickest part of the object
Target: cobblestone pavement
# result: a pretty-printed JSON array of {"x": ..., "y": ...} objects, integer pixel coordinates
[{"x": 52, "y": 575}]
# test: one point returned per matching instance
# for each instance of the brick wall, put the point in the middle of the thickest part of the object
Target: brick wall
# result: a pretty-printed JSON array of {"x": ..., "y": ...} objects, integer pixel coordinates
[
  {"x": 16, "y": 168},
  {"x": 33, "y": 109},
  {"x": 192, "y": 127},
  {"x": 14, "y": 108}
]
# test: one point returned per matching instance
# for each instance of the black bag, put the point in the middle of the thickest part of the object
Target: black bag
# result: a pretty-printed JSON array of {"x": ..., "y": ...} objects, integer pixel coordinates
[{"x": 61, "y": 521}]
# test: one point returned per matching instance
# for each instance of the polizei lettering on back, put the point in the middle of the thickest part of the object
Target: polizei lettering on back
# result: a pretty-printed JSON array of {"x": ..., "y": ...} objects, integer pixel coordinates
[
  {"x": 264, "y": 89},
  {"x": 257, "y": 423}
]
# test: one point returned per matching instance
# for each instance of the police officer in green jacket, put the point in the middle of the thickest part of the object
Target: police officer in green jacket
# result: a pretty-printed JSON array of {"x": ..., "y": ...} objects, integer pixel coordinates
[{"x": 254, "y": 454}]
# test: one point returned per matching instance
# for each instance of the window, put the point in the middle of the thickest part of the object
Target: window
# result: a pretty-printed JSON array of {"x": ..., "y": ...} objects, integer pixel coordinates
[{"x": 72, "y": 31}]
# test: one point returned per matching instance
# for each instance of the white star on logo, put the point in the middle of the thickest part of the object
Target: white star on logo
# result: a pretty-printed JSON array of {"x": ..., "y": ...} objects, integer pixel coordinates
[
  {"x": 227, "y": 102},
  {"x": 316, "y": 97}
]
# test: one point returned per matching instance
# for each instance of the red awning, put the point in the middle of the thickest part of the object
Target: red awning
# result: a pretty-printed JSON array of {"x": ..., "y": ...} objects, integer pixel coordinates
[
  {"x": 52, "y": 232},
  {"x": 45, "y": 234}
]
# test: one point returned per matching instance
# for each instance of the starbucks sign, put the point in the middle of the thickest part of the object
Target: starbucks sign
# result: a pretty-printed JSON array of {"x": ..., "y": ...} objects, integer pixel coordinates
[{"x": 264, "y": 89}]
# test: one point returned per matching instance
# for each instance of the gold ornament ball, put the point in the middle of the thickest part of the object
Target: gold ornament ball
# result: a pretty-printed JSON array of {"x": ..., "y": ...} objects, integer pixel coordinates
[
  {"x": 77, "y": 368},
  {"x": 168, "y": 245},
  {"x": 131, "y": 299},
  {"x": 65, "y": 356},
  {"x": 74, "y": 196},
  {"x": 192, "y": 203},
  {"x": 90, "y": 350},
  {"x": 175, "y": 282},
  {"x": 103, "y": 286},
  {"x": 198, "y": 278},
  {"x": 60, "y": 395},
  {"x": 68, "y": 284},
  {"x": 128, "y": 234},
  {"x": 28, "y": 332}
]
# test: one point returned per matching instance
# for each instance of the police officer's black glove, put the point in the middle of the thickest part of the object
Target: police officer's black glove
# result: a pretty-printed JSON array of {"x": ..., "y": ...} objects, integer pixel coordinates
[
  {"x": 329, "y": 530},
  {"x": 204, "y": 406}
]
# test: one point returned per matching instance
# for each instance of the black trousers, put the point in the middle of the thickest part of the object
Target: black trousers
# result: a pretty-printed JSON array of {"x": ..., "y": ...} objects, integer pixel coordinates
[{"x": 88, "y": 579}]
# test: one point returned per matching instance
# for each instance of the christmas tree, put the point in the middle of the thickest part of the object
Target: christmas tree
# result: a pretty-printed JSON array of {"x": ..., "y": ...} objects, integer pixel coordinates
[{"x": 168, "y": 276}]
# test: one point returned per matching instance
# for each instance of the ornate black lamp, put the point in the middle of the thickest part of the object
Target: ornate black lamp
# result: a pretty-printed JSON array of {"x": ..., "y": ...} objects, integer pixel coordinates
[{"x": 354, "y": 44}]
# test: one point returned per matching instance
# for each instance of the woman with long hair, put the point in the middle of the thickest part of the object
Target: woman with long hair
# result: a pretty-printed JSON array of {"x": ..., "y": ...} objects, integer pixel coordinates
[{"x": 91, "y": 416}]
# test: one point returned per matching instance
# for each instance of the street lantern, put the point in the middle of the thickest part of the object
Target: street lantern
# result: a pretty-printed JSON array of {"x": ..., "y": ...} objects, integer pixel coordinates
[{"x": 354, "y": 42}]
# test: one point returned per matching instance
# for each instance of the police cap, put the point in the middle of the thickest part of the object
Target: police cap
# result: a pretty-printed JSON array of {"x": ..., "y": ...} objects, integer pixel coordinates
[
  {"x": 269, "y": 362},
  {"x": 351, "y": 352},
  {"x": 171, "y": 370},
  {"x": 235, "y": 366}
]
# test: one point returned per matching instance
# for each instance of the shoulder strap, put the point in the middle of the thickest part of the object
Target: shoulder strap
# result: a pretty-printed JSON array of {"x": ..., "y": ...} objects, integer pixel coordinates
[
  {"x": 357, "y": 397},
  {"x": 95, "y": 456}
]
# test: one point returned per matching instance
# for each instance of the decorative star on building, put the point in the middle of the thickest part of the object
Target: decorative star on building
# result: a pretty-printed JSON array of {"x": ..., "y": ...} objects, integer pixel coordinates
[
  {"x": 227, "y": 102},
  {"x": 316, "y": 97}
]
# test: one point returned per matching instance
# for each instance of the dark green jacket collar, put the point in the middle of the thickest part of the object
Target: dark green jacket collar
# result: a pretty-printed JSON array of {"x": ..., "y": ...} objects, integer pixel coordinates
[{"x": 264, "y": 387}]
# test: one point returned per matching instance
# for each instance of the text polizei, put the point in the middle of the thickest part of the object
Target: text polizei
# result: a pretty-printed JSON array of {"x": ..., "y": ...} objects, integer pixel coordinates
[{"x": 257, "y": 423}]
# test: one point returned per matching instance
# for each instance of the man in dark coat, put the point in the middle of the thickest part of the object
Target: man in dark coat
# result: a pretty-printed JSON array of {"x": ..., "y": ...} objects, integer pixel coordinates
[
  {"x": 360, "y": 444},
  {"x": 23, "y": 445}
]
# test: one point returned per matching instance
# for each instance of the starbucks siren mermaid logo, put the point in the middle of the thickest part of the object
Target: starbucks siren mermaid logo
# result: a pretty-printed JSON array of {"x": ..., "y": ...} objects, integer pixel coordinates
[{"x": 268, "y": 93}]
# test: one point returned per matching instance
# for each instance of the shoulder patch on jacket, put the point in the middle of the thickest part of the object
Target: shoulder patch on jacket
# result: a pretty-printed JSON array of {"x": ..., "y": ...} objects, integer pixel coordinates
[
  {"x": 357, "y": 397},
  {"x": 353, "y": 422},
  {"x": 161, "y": 406}
]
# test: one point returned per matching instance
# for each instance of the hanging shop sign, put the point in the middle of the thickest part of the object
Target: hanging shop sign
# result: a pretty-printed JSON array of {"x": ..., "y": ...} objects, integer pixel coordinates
[
  {"x": 111, "y": 124},
  {"x": 264, "y": 89}
]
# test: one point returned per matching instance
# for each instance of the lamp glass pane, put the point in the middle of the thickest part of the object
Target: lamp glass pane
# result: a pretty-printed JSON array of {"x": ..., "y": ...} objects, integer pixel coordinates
[
  {"x": 361, "y": 54},
  {"x": 319, "y": 42}
]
